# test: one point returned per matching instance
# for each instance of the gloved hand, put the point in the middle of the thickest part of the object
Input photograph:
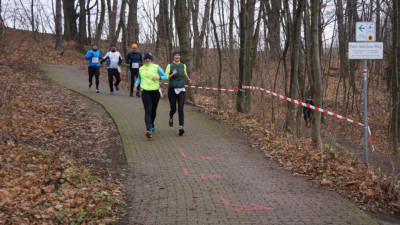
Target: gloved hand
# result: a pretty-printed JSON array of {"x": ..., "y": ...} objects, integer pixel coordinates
[{"x": 92, "y": 54}]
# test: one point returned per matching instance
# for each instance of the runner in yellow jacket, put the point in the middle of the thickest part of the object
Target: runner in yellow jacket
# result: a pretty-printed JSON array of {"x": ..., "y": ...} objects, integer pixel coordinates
[{"x": 149, "y": 76}]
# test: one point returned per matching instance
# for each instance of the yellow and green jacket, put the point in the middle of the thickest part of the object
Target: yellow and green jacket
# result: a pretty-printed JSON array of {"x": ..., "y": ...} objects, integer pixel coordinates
[{"x": 146, "y": 74}]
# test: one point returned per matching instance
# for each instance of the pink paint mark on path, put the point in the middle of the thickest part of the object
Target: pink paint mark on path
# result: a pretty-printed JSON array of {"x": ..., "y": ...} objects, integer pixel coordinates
[
  {"x": 197, "y": 157},
  {"x": 203, "y": 176},
  {"x": 250, "y": 206}
]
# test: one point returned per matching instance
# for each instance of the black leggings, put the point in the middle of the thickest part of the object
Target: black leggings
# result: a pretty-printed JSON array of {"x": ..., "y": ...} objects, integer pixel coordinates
[
  {"x": 94, "y": 70},
  {"x": 134, "y": 76},
  {"x": 111, "y": 74},
  {"x": 150, "y": 102},
  {"x": 173, "y": 98}
]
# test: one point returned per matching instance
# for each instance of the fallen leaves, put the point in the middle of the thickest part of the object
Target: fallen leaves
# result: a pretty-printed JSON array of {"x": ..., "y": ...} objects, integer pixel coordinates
[
  {"x": 330, "y": 167},
  {"x": 52, "y": 164}
]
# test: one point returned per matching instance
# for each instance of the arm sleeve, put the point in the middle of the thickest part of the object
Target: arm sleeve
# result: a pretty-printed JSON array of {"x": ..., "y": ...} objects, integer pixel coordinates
[
  {"x": 127, "y": 58},
  {"x": 140, "y": 59},
  {"x": 162, "y": 74},
  {"x": 138, "y": 80},
  {"x": 184, "y": 69},
  {"x": 105, "y": 58},
  {"x": 88, "y": 55},
  {"x": 168, "y": 70}
]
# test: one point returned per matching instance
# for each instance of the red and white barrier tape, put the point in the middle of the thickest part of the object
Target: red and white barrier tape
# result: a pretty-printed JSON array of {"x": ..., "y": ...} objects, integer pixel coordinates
[
  {"x": 312, "y": 107},
  {"x": 207, "y": 88}
]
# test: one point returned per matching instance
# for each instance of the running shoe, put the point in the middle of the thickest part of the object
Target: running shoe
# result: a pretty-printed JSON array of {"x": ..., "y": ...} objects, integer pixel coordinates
[
  {"x": 117, "y": 88},
  {"x": 153, "y": 128},
  {"x": 97, "y": 91},
  {"x": 131, "y": 94},
  {"x": 138, "y": 94},
  {"x": 111, "y": 92},
  {"x": 148, "y": 134},
  {"x": 90, "y": 86},
  {"x": 171, "y": 121},
  {"x": 181, "y": 131}
]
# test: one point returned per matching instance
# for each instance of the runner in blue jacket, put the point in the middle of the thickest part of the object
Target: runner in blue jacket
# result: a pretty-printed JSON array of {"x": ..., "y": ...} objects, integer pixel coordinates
[{"x": 94, "y": 56}]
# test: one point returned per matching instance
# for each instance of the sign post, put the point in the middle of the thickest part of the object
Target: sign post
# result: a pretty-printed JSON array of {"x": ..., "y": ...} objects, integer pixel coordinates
[{"x": 365, "y": 48}]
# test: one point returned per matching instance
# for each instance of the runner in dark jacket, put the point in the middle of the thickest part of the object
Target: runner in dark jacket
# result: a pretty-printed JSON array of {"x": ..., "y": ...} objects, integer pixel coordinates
[
  {"x": 134, "y": 58},
  {"x": 176, "y": 72}
]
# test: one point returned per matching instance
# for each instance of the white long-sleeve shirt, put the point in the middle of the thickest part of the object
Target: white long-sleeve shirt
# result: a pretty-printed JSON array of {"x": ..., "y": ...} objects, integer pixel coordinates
[{"x": 114, "y": 58}]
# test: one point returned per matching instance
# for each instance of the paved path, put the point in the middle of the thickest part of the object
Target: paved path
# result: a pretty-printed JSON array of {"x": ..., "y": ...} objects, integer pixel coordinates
[{"x": 208, "y": 176}]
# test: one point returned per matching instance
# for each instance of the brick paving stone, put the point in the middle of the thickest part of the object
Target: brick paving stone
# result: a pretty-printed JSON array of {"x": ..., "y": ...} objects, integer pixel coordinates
[{"x": 160, "y": 193}]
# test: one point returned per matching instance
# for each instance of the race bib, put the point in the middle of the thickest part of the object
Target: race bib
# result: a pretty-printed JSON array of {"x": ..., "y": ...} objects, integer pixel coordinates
[
  {"x": 95, "y": 60},
  {"x": 179, "y": 90},
  {"x": 135, "y": 65}
]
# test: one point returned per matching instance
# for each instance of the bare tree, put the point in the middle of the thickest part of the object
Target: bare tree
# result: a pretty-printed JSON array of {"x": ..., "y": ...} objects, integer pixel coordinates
[
  {"x": 219, "y": 53},
  {"x": 274, "y": 39},
  {"x": 395, "y": 78},
  {"x": 316, "y": 71},
  {"x": 133, "y": 27},
  {"x": 82, "y": 36},
  {"x": 198, "y": 36},
  {"x": 88, "y": 9},
  {"x": 70, "y": 16},
  {"x": 163, "y": 32},
  {"x": 294, "y": 61},
  {"x": 58, "y": 23},
  {"x": 181, "y": 20},
  {"x": 99, "y": 28},
  {"x": 231, "y": 20},
  {"x": 248, "y": 50},
  {"x": 122, "y": 26},
  {"x": 1, "y": 24},
  {"x": 113, "y": 21}
]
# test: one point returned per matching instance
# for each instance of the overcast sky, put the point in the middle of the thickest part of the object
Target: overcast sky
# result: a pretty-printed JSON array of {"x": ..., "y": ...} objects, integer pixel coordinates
[{"x": 17, "y": 14}]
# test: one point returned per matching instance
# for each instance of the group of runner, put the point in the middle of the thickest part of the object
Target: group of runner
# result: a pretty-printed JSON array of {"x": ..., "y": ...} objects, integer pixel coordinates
[{"x": 146, "y": 77}]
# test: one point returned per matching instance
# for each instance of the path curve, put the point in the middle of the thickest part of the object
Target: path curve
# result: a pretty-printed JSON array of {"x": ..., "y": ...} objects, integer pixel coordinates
[{"x": 210, "y": 175}]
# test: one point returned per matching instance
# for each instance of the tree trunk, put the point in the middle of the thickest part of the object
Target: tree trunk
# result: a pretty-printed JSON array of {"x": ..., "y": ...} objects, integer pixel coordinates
[
  {"x": 248, "y": 49},
  {"x": 1, "y": 24},
  {"x": 219, "y": 53},
  {"x": 113, "y": 22},
  {"x": 82, "y": 40},
  {"x": 99, "y": 29},
  {"x": 294, "y": 68},
  {"x": 58, "y": 23},
  {"x": 242, "y": 55},
  {"x": 395, "y": 79},
  {"x": 123, "y": 27},
  {"x": 344, "y": 70},
  {"x": 274, "y": 34},
  {"x": 89, "y": 31},
  {"x": 231, "y": 20},
  {"x": 181, "y": 21},
  {"x": 70, "y": 16},
  {"x": 316, "y": 71},
  {"x": 133, "y": 27},
  {"x": 163, "y": 36}
]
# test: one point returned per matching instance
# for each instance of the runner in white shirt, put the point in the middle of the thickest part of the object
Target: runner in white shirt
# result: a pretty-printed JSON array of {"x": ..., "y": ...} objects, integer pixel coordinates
[{"x": 114, "y": 60}]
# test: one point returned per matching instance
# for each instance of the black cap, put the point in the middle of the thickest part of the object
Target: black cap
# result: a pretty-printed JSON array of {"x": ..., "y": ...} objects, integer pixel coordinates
[
  {"x": 176, "y": 53},
  {"x": 148, "y": 55}
]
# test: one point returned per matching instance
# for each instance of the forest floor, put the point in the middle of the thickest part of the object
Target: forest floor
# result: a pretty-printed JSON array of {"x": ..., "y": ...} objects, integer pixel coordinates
[{"x": 35, "y": 118}]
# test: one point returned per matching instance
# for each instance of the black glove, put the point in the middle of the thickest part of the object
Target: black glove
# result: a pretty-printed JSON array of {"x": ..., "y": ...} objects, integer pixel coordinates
[{"x": 101, "y": 61}]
